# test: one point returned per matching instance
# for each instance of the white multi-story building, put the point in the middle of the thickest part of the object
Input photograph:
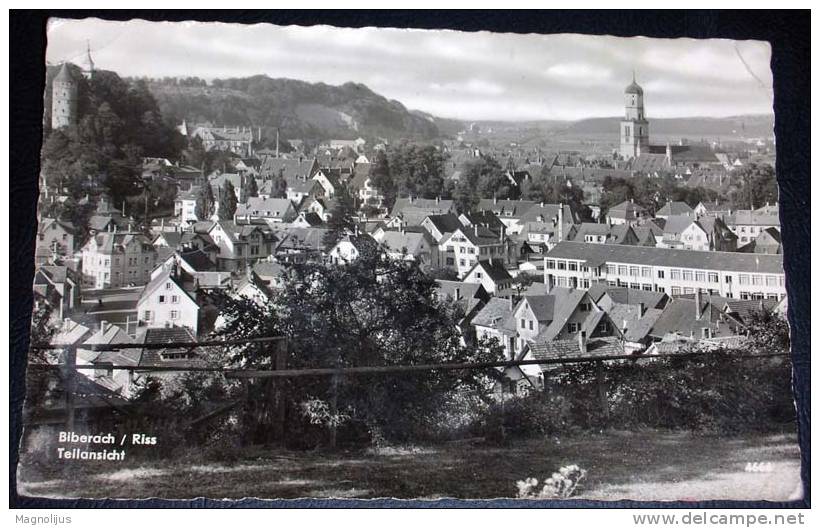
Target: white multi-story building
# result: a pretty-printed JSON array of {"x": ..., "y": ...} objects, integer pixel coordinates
[
  {"x": 673, "y": 271},
  {"x": 117, "y": 259}
]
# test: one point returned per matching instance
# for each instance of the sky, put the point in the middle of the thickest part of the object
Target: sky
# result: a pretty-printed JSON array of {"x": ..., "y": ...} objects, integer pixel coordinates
[{"x": 468, "y": 76}]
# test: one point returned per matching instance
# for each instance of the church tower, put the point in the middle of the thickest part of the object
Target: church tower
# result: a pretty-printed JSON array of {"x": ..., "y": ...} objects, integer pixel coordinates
[
  {"x": 63, "y": 99},
  {"x": 634, "y": 127},
  {"x": 87, "y": 65}
]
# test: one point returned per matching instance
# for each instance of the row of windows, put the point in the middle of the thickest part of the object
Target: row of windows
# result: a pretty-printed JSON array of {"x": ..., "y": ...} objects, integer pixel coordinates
[
  {"x": 565, "y": 265},
  {"x": 147, "y": 314}
]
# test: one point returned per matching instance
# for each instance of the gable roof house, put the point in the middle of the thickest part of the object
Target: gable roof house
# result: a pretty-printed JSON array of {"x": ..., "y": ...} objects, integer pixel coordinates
[
  {"x": 441, "y": 225},
  {"x": 675, "y": 209},
  {"x": 408, "y": 245},
  {"x": 116, "y": 259},
  {"x": 57, "y": 236},
  {"x": 627, "y": 212},
  {"x": 59, "y": 286},
  {"x": 277, "y": 210},
  {"x": 240, "y": 244},
  {"x": 463, "y": 248},
  {"x": 494, "y": 321},
  {"x": 350, "y": 247},
  {"x": 492, "y": 275},
  {"x": 164, "y": 302},
  {"x": 412, "y": 211}
]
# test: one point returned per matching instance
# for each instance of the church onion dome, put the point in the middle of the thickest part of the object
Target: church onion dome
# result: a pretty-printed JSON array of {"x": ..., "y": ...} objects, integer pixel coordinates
[
  {"x": 64, "y": 75},
  {"x": 634, "y": 88}
]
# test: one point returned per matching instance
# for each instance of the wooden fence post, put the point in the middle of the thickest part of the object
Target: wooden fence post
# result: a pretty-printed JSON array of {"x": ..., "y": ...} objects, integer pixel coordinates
[
  {"x": 280, "y": 363},
  {"x": 69, "y": 384},
  {"x": 601, "y": 383}
]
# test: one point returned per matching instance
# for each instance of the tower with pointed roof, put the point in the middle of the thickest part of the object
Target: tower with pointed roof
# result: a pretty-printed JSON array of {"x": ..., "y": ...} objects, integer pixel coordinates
[
  {"x": 87, "y": 64},
  {"x": 63, "y": 99},
  {"x": 634, "y": 126}
]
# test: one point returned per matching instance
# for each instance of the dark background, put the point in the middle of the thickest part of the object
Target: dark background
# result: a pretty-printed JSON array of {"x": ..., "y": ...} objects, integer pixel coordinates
[{"x": 787, "y": 31}]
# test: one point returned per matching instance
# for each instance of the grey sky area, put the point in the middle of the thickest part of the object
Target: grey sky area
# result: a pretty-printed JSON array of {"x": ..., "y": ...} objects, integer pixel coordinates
[{"x": 473, "y": 76}]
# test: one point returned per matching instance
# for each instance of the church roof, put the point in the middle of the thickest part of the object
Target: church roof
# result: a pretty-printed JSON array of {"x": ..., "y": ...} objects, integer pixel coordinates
[{"x": 634, "y": 88}]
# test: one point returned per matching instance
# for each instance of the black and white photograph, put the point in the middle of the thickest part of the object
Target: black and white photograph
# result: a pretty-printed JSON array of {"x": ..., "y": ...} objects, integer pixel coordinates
[{"x": 323, "y": 262}]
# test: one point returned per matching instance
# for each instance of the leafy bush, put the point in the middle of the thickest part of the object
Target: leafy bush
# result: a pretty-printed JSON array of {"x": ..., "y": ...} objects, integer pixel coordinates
[{"x": 561, "y": 485}]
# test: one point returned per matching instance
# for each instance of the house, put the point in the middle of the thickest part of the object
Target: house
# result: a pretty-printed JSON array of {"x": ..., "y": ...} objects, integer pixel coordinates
[
  {"x": 307, "y": 219},
  {"x": 240, "y": 244},
  {"x": 272, "y": 274},
  {"x": 442, "y": 225},
  {"x": 167, "y": 358},
  {"x": 408, "y": 245},
  {"x": 57, "y": 236},
  {"x": 495, "y": 321},
  {"x": 748, "y": 224},
  {"x": 684, "y": 232},
  {"x": 350, "y": 247},
  {"x": 185, "y": 206},
  {"x": 492, "y": 275},
  {"x": 728, "y": 274},
  {"x": 105, "y": 373},
  {"x": 329, "y": 182},
  {"x": 675, "y": 209},
  {"x": 697, "y": 318},
  {"x": 165, "y": 302},
  {"x": 470, "y": 299},
  {"x": 767, "y": 242},
  {"x": 463, "y": 248},
  {"x": 627, "y": 212},
  {"x": 277, "y": 210},
  {"x": 238, "y": 140},
  {"x": 593, "y": 233},
  {"x": 300, "y": 244},
  {"x": 59, "y": 287},
  {"x": 253, "y": 288},
  {"x": 412, "y": 211},
  {"x": 117, "y": 259},
  {"x": 362, "y": 185}
]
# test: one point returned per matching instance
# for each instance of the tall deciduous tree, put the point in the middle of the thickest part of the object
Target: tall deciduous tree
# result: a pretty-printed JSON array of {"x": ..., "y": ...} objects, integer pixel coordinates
[{"x": 373, "y": 311}]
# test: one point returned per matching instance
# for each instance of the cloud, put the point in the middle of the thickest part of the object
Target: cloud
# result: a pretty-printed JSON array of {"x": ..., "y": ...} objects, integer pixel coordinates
[{"x": 473, "y": 76}]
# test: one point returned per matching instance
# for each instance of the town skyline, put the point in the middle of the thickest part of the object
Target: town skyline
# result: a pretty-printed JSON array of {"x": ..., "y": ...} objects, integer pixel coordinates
[{"x": 447, "y": 74}]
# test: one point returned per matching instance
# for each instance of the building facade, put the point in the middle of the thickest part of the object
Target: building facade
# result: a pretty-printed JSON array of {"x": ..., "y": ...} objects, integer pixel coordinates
[{"x": 675, "y": 272}]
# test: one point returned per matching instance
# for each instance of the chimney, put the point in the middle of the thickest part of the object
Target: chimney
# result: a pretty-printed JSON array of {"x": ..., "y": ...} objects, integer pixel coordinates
[
  {"x": 495, "y": 199},
  {"x": 698, "y": 308},
  {"x": 103, "y": 327},
  {"x": 475, "y": 229},
  {"x": 457, "y": 294},
  {"x": 582, "y": 342},
  {"x": 512, "y": 303},
  {"x": 277, "y": 144},
  {"x": 640, "y": 309},
  {"x": 438, "y": 199},
  {"x": 560, "y": 222}
]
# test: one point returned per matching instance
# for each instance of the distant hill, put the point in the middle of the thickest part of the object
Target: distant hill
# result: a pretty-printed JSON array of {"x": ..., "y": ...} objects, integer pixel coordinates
[
  {"x": 747, "y": 125},
  {"x": 299, "y": 109}
]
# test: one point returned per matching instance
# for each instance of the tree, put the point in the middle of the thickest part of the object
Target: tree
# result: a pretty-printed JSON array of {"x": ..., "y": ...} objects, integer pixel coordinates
[
  {"x": 279, "y": 186},
  {"x": 522, "y": 281},
  {"x": 341, "y": 219},
  {"x": 382, "y": 179},
  {"x": 373, "y": 311},
  {"x": 249, "y": 189},
  {"x": 227, "y": 201},
  {"x": 204, "y": 208},
  {"x": 753, "y": 186}
]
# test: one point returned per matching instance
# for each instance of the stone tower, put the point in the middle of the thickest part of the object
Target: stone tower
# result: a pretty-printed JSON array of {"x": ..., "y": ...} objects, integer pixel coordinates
[
  {"x": 63, "y": 99},
  {"x": 634, "y": 127}
]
